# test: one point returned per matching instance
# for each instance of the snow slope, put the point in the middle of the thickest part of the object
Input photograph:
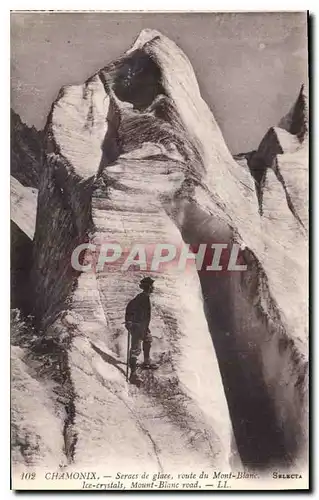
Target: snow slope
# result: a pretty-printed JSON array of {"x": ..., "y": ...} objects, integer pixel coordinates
[{"x": 134, "y": 155}]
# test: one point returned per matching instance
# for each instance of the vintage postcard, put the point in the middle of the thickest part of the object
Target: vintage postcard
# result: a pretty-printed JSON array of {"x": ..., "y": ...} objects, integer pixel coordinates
[{"x": 159, "y": 251}]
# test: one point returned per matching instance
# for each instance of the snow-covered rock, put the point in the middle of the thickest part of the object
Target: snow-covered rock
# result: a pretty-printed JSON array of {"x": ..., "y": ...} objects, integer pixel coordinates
[
  {"x": 37, "y": 432},
  {"x": 23, "y": 206},
  {"x": 26, "y": 152}
]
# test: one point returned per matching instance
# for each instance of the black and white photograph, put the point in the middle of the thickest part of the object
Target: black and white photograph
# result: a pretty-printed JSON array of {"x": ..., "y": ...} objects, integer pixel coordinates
[{"x": 159, "y": 203}]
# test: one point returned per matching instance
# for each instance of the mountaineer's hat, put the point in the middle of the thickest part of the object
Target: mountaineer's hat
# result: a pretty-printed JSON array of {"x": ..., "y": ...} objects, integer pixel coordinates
[{"x": 146, "y": 282}]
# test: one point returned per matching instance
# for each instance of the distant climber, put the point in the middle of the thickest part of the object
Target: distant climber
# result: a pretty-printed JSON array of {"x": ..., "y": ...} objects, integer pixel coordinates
[{"x": 137, "y": 320}]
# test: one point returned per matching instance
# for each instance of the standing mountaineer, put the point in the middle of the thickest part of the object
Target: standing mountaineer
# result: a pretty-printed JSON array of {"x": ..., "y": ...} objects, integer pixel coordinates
[{"x": 137, "y": 320}]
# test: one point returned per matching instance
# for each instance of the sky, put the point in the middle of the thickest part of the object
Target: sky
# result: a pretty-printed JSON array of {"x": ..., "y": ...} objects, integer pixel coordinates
[{"x": 249, "y": 66}]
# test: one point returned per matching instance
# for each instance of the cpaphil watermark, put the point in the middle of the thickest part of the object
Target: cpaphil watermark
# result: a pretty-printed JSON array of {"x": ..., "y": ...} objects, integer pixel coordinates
[{"x": 216, "y": 257}]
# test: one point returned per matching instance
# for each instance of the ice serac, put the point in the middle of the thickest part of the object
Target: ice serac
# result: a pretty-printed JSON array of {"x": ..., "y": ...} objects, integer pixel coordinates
[
  {"x": 134, "y": 155},
  {"x": 23, "y": 206},
  {"x": 26, "y": 152}
]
